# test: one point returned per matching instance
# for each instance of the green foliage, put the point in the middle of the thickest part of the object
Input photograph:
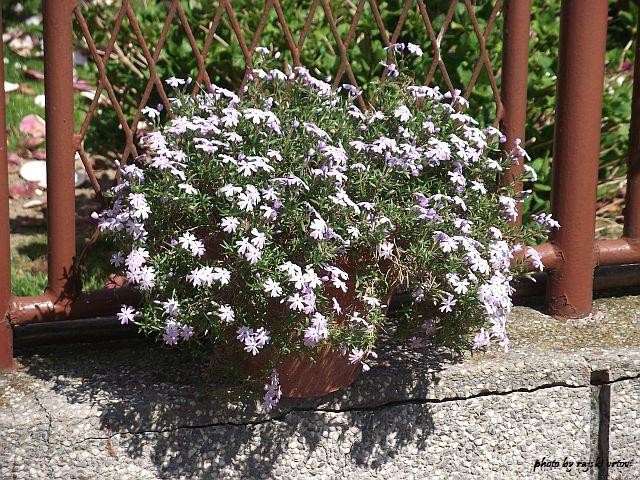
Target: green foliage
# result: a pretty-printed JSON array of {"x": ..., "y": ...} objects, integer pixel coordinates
[{"x": 459, "y": 48}]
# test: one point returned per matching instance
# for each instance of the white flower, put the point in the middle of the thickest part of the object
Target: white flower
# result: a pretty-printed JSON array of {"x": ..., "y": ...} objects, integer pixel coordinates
[
  {"x": 226, "y": 313},
  {"x": 221, "y": 275},
  {"x": 188, "y": 188},
  {"x": 150, "y": 112},
  {"x": 402, "y": 113},
  {"x": 229, "y": 224},
  {"x": 415, "y": 49},
  {"x": 295, "y": 302},
  {"x": 259, "y": 239},
  {"x": 318, "y": 229},
  {"x": 127, "y": 314},
  {"x": 243, "y": 245},
  {"x": 356, "y": 355},
  {"x": 171, "y": 306},
  {"x": 386, "y": 249},
  {"x": 272, "y": 287},
  {"x": 175, "y": 82}
]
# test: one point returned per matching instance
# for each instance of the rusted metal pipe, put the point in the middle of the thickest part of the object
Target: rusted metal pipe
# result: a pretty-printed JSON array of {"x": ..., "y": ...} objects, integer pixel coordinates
[
  {"x": 49, "y": 308},
  {"x": 58, "y": 86},
  {"x": 6, "y": 335},
  {"x": 632, "y": 196},
  {"x": 583, "y": 36},
  {"x": 617, "y": 251},
  {"x": 515, "y": 68}
]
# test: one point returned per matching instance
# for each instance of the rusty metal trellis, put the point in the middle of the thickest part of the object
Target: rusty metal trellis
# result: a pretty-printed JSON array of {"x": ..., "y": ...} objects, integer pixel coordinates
[{"x": 571, "y": 255}]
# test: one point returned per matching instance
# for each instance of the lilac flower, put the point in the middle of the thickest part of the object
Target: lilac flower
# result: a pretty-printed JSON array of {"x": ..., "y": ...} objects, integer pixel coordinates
[
  {"x": 391, "y": 69},
  {"x": 262, "y": 337},
  {"x": 244, "y": 333},
  {"x": 446, "y": 243},
  {"x": 356, "y": 355},
  {"x": 230, "y": 191},
  {"x": 509, "y": 208},
  {"x": 186, "y": 332},
  {"x": 273, "y": 392},
  {"x": 117, "y": 259},
  {"x": 460, "y": 286},
  {"x": 201, "y": 276},
  {"x": 171, "y": 334},
  {"x": 171, "y": 307},
  {"x": 316, "y": 130},
  {"x": 416, "y": 343},
  {"x": 481, "y": 339},
  {"x": 351, "y": 89},
  {"x": 139, "y": 204},
  {"x": 336, "y": 306},
  {"x": 253, "y": 254},
  {"x": 447, "y": 303},
  {"x": 535, "y": 259},
  {"x": 150, "y": 112},
  {"x": 244, "y": 245},
  {"x": 395, "y": 47},
  {"x": 127, "y": 314},
  {"x": 428, "y": 327},
  {"x": 319, "y": 229}
]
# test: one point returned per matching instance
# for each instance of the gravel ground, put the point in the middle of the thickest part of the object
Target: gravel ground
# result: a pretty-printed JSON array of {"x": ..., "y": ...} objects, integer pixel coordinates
[{"x": 131, "y": 409}]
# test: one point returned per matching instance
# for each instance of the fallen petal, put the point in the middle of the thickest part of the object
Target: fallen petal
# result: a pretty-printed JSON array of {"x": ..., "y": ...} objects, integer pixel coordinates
[
  {"x": 32, "y": 125},
  {"x": 21, "y": 190},
  {"x": 11, "y": 87},
  {"x": 35, "y": 171}
]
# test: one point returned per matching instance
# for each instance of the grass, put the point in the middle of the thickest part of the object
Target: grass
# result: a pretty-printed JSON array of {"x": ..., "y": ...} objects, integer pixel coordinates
[{"x": 29, "y": 264}]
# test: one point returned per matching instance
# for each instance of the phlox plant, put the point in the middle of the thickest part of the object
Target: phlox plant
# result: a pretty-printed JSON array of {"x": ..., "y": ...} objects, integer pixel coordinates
[{"x": 251, "y": 218}]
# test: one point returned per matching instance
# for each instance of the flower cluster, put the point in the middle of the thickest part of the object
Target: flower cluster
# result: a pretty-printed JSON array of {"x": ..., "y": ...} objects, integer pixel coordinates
[{"x": 286, "y": 217}]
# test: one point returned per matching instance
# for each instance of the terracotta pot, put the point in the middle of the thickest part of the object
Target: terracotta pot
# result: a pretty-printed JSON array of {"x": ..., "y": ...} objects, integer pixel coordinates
[
  {"x": 331, "y": 371},
  {"x": 302, "y": 378}
]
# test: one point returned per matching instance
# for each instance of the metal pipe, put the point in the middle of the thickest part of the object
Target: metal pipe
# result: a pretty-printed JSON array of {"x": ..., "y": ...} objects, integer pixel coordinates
[
  {"x": 47, "y": 308},
  {"x": 58, "y": 86},
  {"x": 618, "y": 251},
  {"x": 632, "y": 196},
  {"x": 515, "y": 68},
  {"x": 70, "y": 331},
  {"x": 583, "y": 36},
  {"x": 607, "y": 277},
  {"x": 6, "y": 335}
]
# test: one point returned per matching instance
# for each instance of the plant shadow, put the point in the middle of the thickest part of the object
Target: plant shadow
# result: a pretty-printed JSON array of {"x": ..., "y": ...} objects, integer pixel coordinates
[{"x": 161, "y": 406}]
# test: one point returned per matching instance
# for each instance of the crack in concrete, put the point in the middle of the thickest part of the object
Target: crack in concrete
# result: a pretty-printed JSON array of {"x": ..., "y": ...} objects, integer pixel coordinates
[
  {"x": 47, "y": 414},
  {"x": 368, "y": 408}
]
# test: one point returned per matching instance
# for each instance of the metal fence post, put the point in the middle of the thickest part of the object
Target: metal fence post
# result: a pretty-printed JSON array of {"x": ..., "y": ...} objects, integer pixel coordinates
[
  {"x": 632, "y": 200},
  {"x": 6, "y": 334},
  {"x": 58, "y": 69},
  {"x": 515, "y": 68},
  {"x": 583, "y": 36}
]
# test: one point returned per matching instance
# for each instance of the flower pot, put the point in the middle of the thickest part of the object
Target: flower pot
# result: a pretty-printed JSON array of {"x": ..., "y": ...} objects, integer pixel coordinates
[{"x": 330, "y": 372}]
